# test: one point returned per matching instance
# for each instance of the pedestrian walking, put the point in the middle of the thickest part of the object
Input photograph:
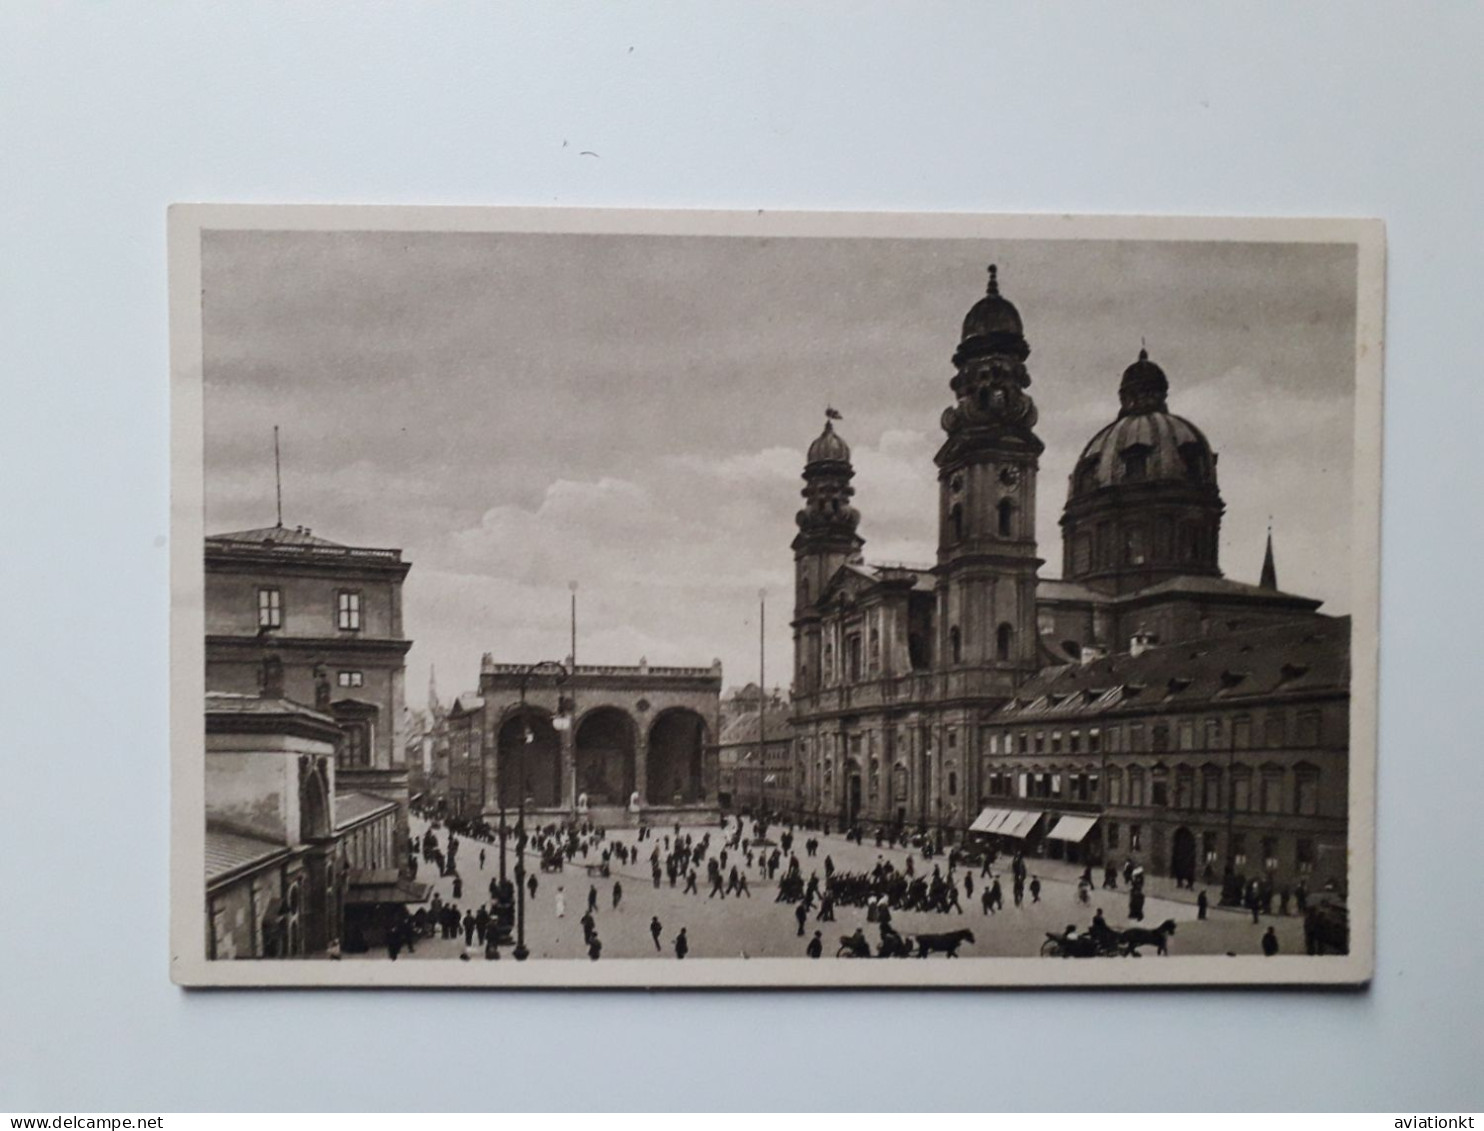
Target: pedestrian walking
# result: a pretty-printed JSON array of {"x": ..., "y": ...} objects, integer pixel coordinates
[
  {"x": 1019, "y": 890},
  {"x": 561, "y": 902},
  {"x": 1036, "y": 886},
  {"x": 1201, "y": 903},
  {"x": 968, "y": 885},
  {"x": 594, "y": 947},
  {"x": 654, "y": 930},
  {"x": 1270, "y": 942},
  {"x": 617, "y": 894},
  {"x": 801, "y": 913},
  {"x": 481, "y": 859},
  {"x": 815, "y": 947},
  {"x": 682, "y": 944},
  {"x": 530, "y": 884},
  {"x": 458, "y": 886},
  {"x": 690, "y": 883},
  {"x": 592, "y": 897}
]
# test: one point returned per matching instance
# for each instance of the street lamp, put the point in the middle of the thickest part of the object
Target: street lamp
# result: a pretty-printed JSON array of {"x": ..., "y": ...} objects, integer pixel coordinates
[{"x": 560, "y": 722}]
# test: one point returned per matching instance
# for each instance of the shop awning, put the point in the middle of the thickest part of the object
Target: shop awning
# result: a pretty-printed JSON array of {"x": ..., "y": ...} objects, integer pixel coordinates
[
  {"x": 1072, "y": 828},
  {"x": 372, "y": 886},
  {"x": 1015, "y": 823},
  {"x": 988, "y": 819},
  {"x": 1022, "y": 826}
]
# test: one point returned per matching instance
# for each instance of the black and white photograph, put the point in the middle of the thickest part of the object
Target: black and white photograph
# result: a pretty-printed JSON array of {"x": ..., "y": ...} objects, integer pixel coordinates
[{"x": 585, "y": 598}]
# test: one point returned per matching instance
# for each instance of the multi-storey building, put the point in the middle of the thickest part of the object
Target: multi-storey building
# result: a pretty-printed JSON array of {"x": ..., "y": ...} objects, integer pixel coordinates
[
  {"x": 755, "y": 763},
  {"x": 906, "y": 676},
  {"x": 331, "y": 616}
]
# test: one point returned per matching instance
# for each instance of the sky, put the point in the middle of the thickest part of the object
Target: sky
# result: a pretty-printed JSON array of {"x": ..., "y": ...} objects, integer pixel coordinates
[{"x": 517, "y": 411}]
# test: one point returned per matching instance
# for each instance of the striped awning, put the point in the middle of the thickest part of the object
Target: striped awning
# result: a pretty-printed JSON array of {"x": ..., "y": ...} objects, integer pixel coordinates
[{"x": 1072, "y": 828}]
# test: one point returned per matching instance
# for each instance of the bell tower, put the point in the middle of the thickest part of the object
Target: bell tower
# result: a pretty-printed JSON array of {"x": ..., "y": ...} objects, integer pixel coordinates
[
  {"x": 987, "y": 561},
  {"x": 826, "y": 541}
]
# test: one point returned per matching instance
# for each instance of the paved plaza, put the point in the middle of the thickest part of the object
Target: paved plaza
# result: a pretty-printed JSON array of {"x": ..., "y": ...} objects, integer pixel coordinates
[{"x": 760, "y": 927}]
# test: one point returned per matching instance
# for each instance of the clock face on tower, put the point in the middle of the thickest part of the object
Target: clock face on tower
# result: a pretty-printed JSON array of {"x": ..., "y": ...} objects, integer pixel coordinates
[{"x": 1009, "y": 475}]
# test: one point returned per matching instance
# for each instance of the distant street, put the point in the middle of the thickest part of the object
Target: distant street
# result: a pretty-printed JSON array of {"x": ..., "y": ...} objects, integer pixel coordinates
[{"x": 759, "y": 927}]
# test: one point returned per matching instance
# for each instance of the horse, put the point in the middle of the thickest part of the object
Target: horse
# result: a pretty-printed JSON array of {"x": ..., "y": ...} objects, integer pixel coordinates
[
  {"x": 947, "y": 943},
  {"x": 1135, "y": 937},
  {"x": 853, "y": 946}
]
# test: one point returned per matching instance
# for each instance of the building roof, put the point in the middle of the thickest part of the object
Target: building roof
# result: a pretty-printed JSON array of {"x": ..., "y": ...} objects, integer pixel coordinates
[
  {"x": 276, "y": 536},
  {"x": 228, "y": 852},
  {"x": 351, "y": 806},
  {"x": 743, "y": 729},
  {"x": 466, "y": 703},
  {"x": 1310, "y": 655}
]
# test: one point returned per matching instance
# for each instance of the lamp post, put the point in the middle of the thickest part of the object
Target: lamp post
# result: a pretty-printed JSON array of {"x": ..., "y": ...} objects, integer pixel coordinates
[{"x": 560, "y": 722}]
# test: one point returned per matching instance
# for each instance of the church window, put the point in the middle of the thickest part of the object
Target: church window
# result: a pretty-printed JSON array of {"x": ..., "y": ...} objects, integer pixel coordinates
[
  {"x": 952, "y": 783},
  {"x": 1004, "y": 642},
  {"x": 853, "y": 644},
  {"x": 875, "y": 649},
  {"x": 270, "y": 608},
  {"x": 1133, "y": 546},
  {"x": 955, "y": 644},
  {"x": 1082, "y": 553},
  {"x": 1006, "y": 511}
]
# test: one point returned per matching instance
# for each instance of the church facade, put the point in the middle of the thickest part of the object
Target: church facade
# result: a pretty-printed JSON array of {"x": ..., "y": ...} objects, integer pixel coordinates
[{"x": 910, "y": 681}]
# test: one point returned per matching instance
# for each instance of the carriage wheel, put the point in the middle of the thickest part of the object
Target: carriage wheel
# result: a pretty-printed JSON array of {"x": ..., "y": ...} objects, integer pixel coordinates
[{"x": 1050, "y": 949}]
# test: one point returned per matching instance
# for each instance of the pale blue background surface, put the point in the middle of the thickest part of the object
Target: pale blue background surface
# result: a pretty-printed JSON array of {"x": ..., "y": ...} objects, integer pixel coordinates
[{"x": 110, "y": 111}]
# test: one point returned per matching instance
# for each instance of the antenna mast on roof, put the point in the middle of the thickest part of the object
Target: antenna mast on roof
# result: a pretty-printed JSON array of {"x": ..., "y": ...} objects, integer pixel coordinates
[{"x": 278, "y": 476}]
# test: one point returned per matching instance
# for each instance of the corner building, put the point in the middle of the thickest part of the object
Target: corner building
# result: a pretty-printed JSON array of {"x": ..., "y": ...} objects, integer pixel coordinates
[{"x": 909, "y": 678}]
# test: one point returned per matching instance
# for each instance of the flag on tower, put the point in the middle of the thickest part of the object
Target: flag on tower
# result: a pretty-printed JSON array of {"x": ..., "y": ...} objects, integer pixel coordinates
[{"x": 831, "y": 414}]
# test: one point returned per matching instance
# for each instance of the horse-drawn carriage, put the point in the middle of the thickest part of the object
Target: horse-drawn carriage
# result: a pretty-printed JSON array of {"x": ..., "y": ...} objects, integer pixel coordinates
[
  {"x": 1108, "y": 943},
  {"x": 600, "y": 869},
  {"x": 894, "y": 945},
  {"x": 552, "y": 860}
]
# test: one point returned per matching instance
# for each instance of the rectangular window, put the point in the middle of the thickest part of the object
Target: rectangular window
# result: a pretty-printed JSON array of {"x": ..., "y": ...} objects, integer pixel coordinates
[
  {"x": 1308, "y": 729},
  {"x": 1009, "y": 744},
  {"x": 1112, "y": 834},
  {"x": 1040, "y": 742},
  {"x": 1135, "y": 837},
  {"x": 1272, "y": 792},
  {"x": 350, "y": 679},
  {"x": 1136, "y": 737},
  {"x": 348, "y": 611},
  {"x": 1305, "y": 856},
  {"x": 1055, "y": 785},
  {"x": 952, "y": 738},
  {"x": 1270, "y": 853},
  {"x": 1307, "y": 791},
  {"x": 1213, "y": 734},
  {"x": 1241, "y": 792},
  {"x": 1094, "y": 741},
  {"x": 1239, "y": 849},
  {"x": 994, "y": 744},
  {"x": 1273, "y": 730},
  {"x": 1161, "y": 795},
  {"x": 1242, "y": 734},
  {"x": 1161, "y": 736},
  {"x": 1092, "y": 786},
  {"x": 1211, "y": 785},
  {"x": 270, "y": 608},
  {"x": 1187, "y": 734},
  {"x": 1135, "y": 788},
  {"x": 1208, "y": 848},
  {"x": 1074, "y": 742},
  {"x": 1184, "y": 790}
]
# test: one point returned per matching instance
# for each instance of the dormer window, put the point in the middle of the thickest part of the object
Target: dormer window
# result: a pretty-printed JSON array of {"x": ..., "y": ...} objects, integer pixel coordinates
[{"x": 1136, "y": 461}]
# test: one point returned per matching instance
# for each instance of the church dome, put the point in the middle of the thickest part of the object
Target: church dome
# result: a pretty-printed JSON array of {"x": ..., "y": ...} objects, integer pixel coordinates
[
  {"x": 992, "y": 314},
  {"x": 1147, "y": 443},
  {"x": 829, "y": 448}
]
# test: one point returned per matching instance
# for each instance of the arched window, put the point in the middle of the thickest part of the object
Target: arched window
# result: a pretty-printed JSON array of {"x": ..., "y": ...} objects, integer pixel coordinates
[
  {"x": 955, "y": 644},
  {"x": 1004, "y": 642},
  {"x": 1006, "y": 512},
  {"x": 956, "y": 521},
  {"x": 1306, "y": 789}
]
